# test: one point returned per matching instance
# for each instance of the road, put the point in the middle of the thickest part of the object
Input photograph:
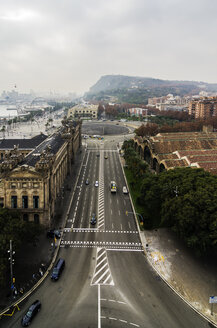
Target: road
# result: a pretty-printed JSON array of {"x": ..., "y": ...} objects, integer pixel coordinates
[{"x": 107, "y": 281}]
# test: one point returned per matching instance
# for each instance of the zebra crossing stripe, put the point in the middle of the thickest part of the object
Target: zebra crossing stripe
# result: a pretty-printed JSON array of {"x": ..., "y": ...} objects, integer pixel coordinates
[{"x": 102, "y": 274}]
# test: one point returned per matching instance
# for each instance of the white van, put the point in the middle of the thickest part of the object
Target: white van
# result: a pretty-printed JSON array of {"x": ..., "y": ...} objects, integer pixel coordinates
[{"x": 125, "y": 191}]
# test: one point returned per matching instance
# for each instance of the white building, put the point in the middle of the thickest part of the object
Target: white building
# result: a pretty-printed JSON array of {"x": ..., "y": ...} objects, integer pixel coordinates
[{"x": 85, "y": 111}]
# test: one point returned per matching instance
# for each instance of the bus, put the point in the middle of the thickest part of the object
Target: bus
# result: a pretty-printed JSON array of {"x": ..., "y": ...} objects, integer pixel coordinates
[{"x": 113, "y": 186}]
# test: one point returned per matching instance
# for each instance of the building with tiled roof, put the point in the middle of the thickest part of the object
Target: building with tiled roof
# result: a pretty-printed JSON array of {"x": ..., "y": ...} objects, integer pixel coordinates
[
  {"x": 185, "y": 149},
  {"x": 24, "y": 146},
  {"x": 32, "y": 184}
]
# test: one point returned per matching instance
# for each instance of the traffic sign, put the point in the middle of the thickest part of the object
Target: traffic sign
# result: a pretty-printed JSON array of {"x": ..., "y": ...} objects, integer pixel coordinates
[{"x": 213, "y": 299}]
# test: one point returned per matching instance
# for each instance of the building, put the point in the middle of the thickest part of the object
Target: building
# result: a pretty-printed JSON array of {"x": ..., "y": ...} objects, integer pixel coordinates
[
  {"x": 203, "y": 108},
  {"x": 138, "y": 111},
  {"x": 23, "y": 146},
  {"x": 184, "y": 149},
  {"x": 33, "y": 184},
  {"x": 84, "y": 111}
]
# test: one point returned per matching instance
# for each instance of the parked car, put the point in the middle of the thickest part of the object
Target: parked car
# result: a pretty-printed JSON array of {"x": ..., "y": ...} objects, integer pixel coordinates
[
  {"x": 125, "y": 191},
  {"x": 97, "y": 184},
  {"x": 57, "y": 270},
  {"x": 106, "y": 156},
  {"x": 31, "y": 313},
  {"x": 53, "y": 233},
  {"x": 93, "y": 219},
  {"x": 97, "y": 155}
]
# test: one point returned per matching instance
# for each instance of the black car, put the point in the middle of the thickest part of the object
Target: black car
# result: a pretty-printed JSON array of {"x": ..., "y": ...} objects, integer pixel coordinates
[
  {"x": 93, "y": 219},
  {"x": 30, "y": 314},
  {"x": 53, "y": 233},
  {"x": 57, "y": 270}
]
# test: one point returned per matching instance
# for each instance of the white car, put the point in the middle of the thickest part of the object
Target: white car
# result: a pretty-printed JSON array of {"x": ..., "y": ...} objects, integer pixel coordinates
[
  {"x": 125, "y": 191},
  {"x": 97, "y": 184}
]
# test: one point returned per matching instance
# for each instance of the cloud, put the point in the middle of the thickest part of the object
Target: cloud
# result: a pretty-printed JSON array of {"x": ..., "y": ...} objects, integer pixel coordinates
[{"x": 67, "y": 45}]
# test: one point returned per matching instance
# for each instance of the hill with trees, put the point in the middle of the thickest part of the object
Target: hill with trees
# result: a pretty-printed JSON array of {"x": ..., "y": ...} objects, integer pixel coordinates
[{"x": 137, "y": 90}]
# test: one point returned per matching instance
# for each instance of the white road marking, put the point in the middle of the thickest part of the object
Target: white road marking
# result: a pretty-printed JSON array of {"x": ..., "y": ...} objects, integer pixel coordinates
[
  {"x": 133, "y": 324},
  {"x": 129, "y": 225},
  {"x": 121, "y": 227},
  {"x": 101, "y": 262},
  {"x": 119, "y": 212},
  {"x": 99, "y": 308},
  {"x": 111, "y": 318},
  {"x": 111, "y": 211},
  {"x": 124, "y": 321},
  {"x": 105, "y": 281},
  {"x": 99, "y": 256},
  {"x": 96, "y": 274}
]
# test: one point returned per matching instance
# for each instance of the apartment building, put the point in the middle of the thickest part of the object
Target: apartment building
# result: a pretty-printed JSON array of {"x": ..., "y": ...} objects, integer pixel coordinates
[{"x": 203, "y": 108}]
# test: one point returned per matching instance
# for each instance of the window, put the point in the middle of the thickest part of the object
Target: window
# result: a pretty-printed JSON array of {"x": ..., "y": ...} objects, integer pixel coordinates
[
  {"x": 13, "y": 185},
  {"x": 35, "y": 201},
  {"x": 24, "y": 185},
  {"x": 2, "y": 156},
  {"x": 25, "y": 201},
  {"x": 35, "y": 185},
  {"x": 36, "y": 218},
  {"x": 13, "y": 201},
  {"x": 1, "y": 202},
  {"x": 25, "y": 217}
]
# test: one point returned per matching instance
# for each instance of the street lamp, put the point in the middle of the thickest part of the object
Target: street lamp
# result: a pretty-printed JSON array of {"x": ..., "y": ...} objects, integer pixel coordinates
[
  {"x": 11, "y": 266},
  {"x": 140, "y": 215}
]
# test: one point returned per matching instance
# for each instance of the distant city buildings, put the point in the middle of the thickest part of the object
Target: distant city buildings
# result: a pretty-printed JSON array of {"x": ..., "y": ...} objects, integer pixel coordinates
[
  {"x": 138, "y": 111},
  {"x": 203, "y": 108},
  {"x": 169, "y": 102},
  {"x": 85, "y": 111}
]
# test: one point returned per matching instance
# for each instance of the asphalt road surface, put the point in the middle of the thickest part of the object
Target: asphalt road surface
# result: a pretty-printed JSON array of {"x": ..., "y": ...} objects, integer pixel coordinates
[{"x": 107, "y": 281}]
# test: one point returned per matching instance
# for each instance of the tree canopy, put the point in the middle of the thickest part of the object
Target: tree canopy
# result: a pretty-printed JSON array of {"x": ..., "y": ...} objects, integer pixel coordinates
[
  {"x": 183, "y": 199},
  {"x": 12, "y": 227}
]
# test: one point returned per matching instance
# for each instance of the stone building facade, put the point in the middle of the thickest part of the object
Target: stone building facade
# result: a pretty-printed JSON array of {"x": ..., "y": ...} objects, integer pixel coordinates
[
  {"x": 31, "y": 184},
  {"x": 85, "y": 111}
]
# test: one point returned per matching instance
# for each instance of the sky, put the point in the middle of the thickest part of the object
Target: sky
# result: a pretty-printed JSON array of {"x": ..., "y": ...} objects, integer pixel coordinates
[{"x": 67, "y": 45}]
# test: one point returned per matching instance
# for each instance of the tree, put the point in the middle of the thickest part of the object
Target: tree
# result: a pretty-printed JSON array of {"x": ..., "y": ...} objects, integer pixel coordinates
[
  {"x": 183, "y": 199},
  {"x": 12, "y": 227}
]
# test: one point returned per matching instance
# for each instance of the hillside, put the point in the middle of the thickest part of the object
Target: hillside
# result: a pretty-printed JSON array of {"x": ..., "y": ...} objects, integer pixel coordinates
[{"x": 130, "y": 89}]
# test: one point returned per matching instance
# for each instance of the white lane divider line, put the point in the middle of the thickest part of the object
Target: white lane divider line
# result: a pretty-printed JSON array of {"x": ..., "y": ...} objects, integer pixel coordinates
[{"x": 120, "y": 320}]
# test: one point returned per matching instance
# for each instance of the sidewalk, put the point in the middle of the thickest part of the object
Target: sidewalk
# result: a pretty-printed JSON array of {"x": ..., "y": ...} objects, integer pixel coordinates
[{"x": 193, "y": 278}]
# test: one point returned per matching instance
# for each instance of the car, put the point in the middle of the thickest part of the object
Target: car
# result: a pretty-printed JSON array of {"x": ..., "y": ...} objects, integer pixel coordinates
[
  {"x": 97, "y": 184},
  {"x": 106, "y": 157},
  {"x": 53, "y": 233},
  {"x": 97, "y": 155},
  {"x": 125, "y": 191},
  {"x": 93, "y": 219},
  {"x": 31, "y": 313},
  {"x": 57, "y": 270},
  {"x": 87, "y": 182}
]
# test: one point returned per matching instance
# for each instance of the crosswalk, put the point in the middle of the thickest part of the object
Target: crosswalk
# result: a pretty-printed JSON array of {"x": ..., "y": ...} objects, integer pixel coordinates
[
  {"x": 105, "y": 244},
  {"x": 95, "y": 230},
  {"x": 102, "y": 274}
]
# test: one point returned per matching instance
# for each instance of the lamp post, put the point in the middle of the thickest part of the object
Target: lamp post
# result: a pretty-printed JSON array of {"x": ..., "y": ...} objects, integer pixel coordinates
[
  {"x": 11, "y": 265},
  {"x": 140, "y": 215}
]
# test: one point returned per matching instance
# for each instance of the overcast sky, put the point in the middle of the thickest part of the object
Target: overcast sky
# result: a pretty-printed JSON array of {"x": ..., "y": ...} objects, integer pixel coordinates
[{"x": 66, "y": 45}]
